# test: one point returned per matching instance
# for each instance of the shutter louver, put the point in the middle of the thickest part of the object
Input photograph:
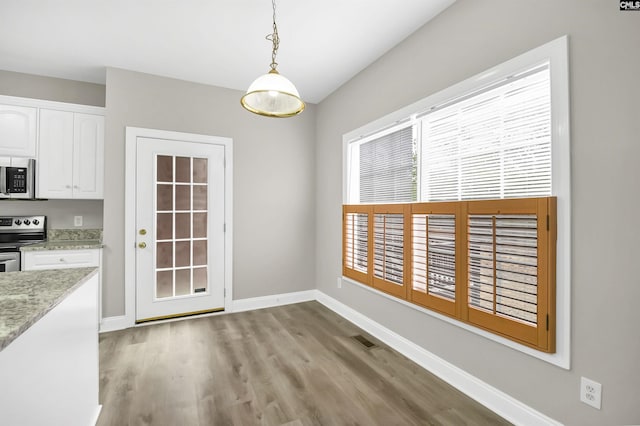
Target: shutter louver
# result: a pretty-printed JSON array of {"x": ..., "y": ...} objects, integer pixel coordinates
[
  {"x": 434, "y": 265},
  {"x": 388, "y": 247},
  {"x": 496, "y": 144},
  {"x": 503, "y": 261},
  {"x": 442, "y": 255},
  {"x": 387, "y": 168},
  {"x": 356, "y": 241}
]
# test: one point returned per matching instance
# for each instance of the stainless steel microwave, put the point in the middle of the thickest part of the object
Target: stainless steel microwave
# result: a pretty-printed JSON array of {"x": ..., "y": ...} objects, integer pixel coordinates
[{"x": 17, "y": 178}]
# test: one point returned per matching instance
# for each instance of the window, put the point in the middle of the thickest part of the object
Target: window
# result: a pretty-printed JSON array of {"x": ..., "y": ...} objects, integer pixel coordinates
[
  {"x": 492, "y": 143},
  {"x": 457, "y": 199}
]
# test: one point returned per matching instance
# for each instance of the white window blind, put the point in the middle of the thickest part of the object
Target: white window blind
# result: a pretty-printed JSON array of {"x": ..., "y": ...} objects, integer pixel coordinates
[
  {"x": 387, "y": 168},
  {"x": 493, "y": 144}
]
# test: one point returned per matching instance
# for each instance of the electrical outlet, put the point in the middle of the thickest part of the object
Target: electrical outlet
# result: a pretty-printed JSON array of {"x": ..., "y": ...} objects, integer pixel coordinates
[
  {"x": 77, "y": 221},
  {"x": 339, "y": 284},
  {"x": 590, "y": 392}
]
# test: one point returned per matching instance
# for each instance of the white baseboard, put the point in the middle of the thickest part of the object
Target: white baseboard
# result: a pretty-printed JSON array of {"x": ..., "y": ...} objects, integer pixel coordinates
[
  {"x": 97, "y": 415},
  {"x": 252, "y": 303},
  {"x": 492, "y": 398},
  {"x": 121, "y": 322},
  {"x": 115, "y": 323}
]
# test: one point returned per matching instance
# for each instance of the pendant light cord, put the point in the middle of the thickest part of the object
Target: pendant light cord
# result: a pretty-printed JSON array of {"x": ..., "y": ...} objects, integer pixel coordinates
[{"x": 274, "y": 38}]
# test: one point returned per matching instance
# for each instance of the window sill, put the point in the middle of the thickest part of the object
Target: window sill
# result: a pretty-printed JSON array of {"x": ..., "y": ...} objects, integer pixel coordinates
[{"x": 558, "y": 359}]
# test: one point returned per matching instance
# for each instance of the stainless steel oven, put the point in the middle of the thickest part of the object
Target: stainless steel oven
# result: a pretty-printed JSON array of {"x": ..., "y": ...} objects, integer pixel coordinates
[{"x": 16, "y": 232}]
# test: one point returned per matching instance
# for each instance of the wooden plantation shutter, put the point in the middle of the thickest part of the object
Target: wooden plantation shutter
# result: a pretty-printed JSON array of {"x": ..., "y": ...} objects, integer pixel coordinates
[
  {"x": 488, "y": 263},
  {"x": 510, "y": 267},
  {"x": 434, "y": 246},
  {"x": 357, "y": 254},
  {"x": 391, "y": 248}
]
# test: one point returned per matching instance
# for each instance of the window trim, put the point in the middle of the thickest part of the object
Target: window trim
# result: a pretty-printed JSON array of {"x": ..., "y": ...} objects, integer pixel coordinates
[{"x": 556, "y": 52}]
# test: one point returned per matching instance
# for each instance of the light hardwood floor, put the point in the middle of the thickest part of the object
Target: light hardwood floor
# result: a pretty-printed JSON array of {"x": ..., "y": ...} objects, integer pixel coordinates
[{"x": 290, "y": 365}]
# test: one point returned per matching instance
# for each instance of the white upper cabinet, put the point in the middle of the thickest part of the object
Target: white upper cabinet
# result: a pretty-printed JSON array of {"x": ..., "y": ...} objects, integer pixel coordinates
[
  {"x": 71, "y": 155},
  {"x": 88, "y": 156},
  {"x": 18, "y": 131},
  {"x": 55, "y": 157},
  {"x": 67, "y": 141}
]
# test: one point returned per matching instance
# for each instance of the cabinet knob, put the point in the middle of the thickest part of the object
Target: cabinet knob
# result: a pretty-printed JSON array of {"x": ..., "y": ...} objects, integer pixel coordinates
[
  {"x": 68, "y": 186},
  {"x": 62, "y": 259},
  {"x": 143, "y": 232},
  {"x": 142, "y": 245}
]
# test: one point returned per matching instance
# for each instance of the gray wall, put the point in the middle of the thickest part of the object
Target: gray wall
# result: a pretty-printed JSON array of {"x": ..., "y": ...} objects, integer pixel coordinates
[
  {"x": 467, "y": 38},
  {"x": 51, "y": 89},
  {"x": 274, "y": 177},
  {"x": 59, "y": 212}
]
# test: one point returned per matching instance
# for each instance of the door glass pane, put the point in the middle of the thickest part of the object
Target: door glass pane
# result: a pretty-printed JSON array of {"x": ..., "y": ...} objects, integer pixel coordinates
[
  {"x": 199, "y": 225},
  {"x": 183, "y": 253},
  {"x": 183, "y": 169},
  {"x": 200, "y": 279},
  {"x": 164, "y": 282},
  {"x": 165, "y": 197},
  {"x": 183, "y": 225},
  {"x": 164, "y": 227},
  {"x": 200, "y": 252},
  {"x": 164, "y": 255},
  {"x": 183, "y": 197},
  {"x": 183, "y": 282},
  {"x": 200, "y": 170},
  {"x": 181, "y": 233},
  {"x": 165, "y": 168},
  {"x": 200, "y": 197}
]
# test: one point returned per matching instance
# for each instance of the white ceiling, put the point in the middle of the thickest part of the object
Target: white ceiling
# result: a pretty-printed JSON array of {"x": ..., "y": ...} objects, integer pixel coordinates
[{"x": 216, "y": 42}]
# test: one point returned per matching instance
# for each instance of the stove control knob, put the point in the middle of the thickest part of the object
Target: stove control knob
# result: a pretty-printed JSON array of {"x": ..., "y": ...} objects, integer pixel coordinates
[
  {"x": 27, "y": 222},
  {"x": 18, "y": 222},
  {"x": 36, "y": 221}
]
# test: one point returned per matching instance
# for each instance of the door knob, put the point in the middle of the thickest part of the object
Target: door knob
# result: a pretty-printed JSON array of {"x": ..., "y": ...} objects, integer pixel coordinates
[{"x": 142, "y": 245}]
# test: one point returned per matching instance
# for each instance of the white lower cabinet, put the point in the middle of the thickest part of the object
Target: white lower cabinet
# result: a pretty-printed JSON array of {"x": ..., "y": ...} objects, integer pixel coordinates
[
  {"x": 60, "y": 259},
  {"x": 64, "y": 259},
  {"x": 49, "y": 374}
]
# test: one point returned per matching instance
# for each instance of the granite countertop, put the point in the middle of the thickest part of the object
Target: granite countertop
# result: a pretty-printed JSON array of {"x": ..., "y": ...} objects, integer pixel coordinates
[
  {"x": 63, "y": 245},
  {"x": 26, "y": 296},
  {"x": 69, "y": 239}
]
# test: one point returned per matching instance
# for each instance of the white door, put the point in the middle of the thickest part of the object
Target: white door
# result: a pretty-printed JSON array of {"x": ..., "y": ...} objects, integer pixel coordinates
[{"x": 180, "y": 244}]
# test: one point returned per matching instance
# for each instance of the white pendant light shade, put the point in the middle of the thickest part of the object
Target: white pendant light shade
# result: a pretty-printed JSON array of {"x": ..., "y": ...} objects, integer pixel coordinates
[{"x": 273, "y": 95}]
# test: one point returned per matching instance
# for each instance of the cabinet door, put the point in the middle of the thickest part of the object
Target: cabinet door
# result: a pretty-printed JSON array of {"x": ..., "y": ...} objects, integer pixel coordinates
[
  {"x": 55, "y": 155},
  {"x": 88, "y": 156},
  {"x": 17, "y": 131}
]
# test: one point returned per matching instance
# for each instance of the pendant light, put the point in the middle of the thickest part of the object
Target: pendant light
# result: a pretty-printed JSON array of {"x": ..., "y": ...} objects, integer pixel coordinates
[{"x": 272, "y": 94}]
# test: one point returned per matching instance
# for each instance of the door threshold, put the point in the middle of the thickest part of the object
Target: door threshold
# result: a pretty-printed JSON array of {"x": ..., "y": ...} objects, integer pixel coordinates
[{"x": 178, "y": 316}]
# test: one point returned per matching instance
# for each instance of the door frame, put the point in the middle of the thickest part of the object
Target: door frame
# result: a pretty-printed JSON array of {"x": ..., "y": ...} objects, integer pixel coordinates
[{"x": 132, "y": 134}]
